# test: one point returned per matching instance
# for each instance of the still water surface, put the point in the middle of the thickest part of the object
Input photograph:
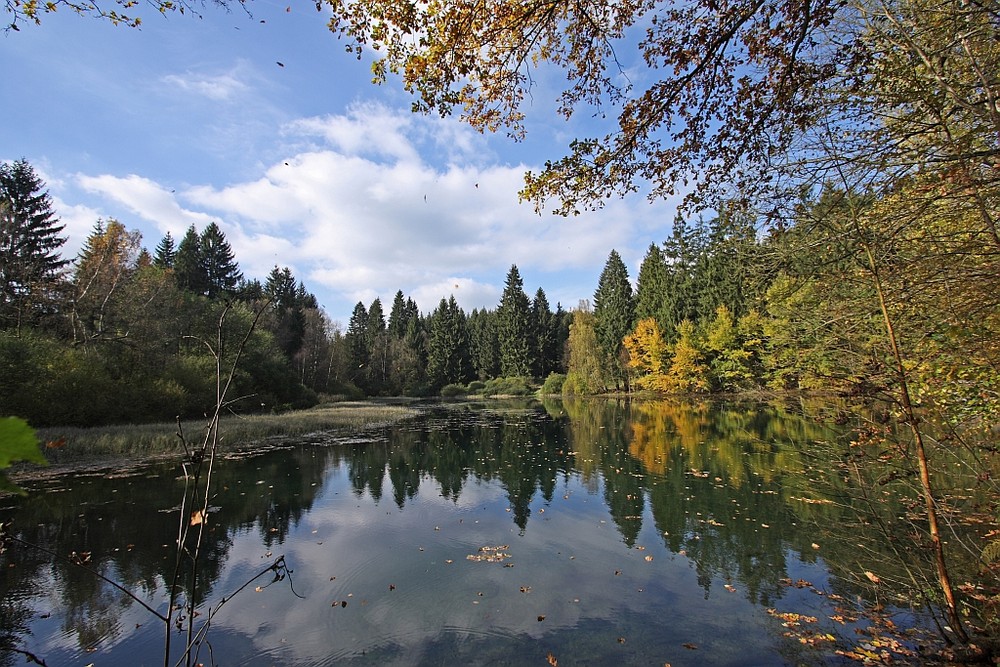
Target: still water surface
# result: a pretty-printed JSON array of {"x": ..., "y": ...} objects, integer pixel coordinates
[{"x": 589, "y": 533}]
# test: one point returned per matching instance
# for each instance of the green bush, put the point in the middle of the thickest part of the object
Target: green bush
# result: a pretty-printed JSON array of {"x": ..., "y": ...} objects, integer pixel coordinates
[
  {"x": 452, "y": 390},
  {"x": 517, "y": 386},
  {"x": 476, "y": 386},
  {"x": 553, "y": 384}
]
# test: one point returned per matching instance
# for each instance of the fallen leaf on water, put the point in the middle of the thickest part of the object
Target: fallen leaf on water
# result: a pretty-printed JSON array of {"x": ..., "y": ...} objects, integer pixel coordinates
[
  {"x": 258, "y": 589},
  {"x": 621, "y": 640},
  {"x": 730, "y": 588},
  {"x": 649, "y": 559},
  {"x": 690, "y": 646},
  {"x": 541, "y": 617},
  {"x": 872, "y": 577},
  {"x": 197, "y": 518},
  {"x": 552, "y": 660},
  {"x": 525, "y": 589},
  {"x": 815, "y": 546}
]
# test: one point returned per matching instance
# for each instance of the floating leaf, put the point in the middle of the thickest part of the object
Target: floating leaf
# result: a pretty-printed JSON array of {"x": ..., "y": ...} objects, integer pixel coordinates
[
  {"x": 690, "y": 646},
  {"x": 872, "y": 577},
  {"x": 541, "y": 617},
  {"x": 552, "y": 660},
  {"x": 197, "y": 518}
]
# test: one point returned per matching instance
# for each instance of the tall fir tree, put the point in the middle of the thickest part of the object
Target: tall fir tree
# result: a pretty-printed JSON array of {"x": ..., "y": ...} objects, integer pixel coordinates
[
  {"x": 165, "y": 252},
  {"x": 219, "y": 268},
  {"x": 448, "y": 345},
  {"x": 614, "y": 313},
  {"x": 377, "y": 341},
  {"x": 483, "y": 345},
  {"x": 514, "y": 328},
  {"x": 682, "y": 251},
  {"x": 30, "y": 242},
  {"x": 189, "y": 271},
  {"x": 357, "y": 345},
  {"x": 651, "y": 288},
  {"x": 288, "y": 318},
  {"x": 543, "y": 339},
  {"x": 397, "y": 316}
]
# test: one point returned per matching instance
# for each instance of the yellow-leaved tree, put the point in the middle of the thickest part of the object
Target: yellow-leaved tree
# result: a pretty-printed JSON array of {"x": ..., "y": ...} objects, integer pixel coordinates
[{"x": 647, "y": 354}]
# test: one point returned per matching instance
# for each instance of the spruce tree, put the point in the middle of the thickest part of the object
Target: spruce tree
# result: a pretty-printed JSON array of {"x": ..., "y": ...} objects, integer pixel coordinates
[
  {"x": 483, "y": 346},
  {"x": 166, "y": 252},
  {"x": 514, "y": 328},
  {"x": 614, "y": 313},
  {"x": 651, "y": 290},
  {"x": 358, "y": 354},
  {"x": 188, "y": 269},
  {"x": 543, "y": 338},
  {"x": 29, "y": 246},
  {"x": 378, "y": 347},
  {"x": 398, "y": 316},
  {"x": 288, "y": 319},
  {"x": 448, "y": 346},
  {"x": 222, "y": 273}
]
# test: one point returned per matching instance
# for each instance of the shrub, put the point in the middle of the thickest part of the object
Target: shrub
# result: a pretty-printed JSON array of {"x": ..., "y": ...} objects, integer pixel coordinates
[
  {"x": 452, "y": 390},
  {"x": 516, "y": 386},
  {"x": 476, "y": 387},
  {"x": 553, "y": 383}
]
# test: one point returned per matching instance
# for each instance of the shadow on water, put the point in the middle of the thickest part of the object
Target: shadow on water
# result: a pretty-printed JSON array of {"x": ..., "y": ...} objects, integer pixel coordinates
[{"x": 588, "y": 531}]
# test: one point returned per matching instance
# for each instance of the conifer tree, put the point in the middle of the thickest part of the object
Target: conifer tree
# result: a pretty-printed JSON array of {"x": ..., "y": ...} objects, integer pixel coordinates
[
  {"x": 483, "y": 345},
  {"x": 219, "y": 268},
  {"x": 188, "y": 268},
  {"x": 448, "y": 347},
  {"x": 357, "y": 327},
  {"x": 397, "y": 316},
  {"x": 166, "y": 252},
  {"x": 681, "y": 252},
  {"x": 614, "y": 312},
  {"x": 651, "y": 289},
  {"x": 377, "y": 341},
  {"x": 29, "y": 246},
  {"x": 288, "y": 321},
  {"x": 514, "y": 327},
  {"x": 543, "y": 337}
]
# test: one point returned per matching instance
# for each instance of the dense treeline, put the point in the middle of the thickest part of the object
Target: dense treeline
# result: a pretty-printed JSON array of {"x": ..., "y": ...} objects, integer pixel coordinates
[
  {"x": 119, "y": 334},
  {"x": 719, "y": 307}
]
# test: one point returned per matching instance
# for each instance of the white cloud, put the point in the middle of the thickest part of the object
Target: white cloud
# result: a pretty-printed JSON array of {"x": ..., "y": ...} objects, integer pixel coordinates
[
  {"x": 368, "y": 208},
  {"x": 146, "y": 199},
  {"x": 78, "y": 221},
  {"x": 217, "y": 87}
]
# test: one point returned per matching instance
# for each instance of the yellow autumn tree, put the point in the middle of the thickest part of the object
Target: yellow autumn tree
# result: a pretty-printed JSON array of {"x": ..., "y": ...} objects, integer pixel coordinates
[
  {"x": 688, "y": 372},
  {"x": 647, "y": 355}
]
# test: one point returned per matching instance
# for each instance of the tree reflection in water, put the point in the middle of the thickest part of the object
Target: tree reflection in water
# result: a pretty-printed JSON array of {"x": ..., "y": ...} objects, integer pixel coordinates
[{"x": 723, "y": 488}]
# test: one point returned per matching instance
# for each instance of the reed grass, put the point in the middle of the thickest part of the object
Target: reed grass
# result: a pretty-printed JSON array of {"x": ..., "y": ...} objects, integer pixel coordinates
[{"x": 237, "y": 432}]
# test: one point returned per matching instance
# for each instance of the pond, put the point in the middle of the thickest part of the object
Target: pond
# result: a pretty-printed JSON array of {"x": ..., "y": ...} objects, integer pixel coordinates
[{"x": 584, "y": 533}]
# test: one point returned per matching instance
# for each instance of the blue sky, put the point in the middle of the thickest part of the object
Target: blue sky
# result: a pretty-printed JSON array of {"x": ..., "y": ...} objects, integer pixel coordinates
[{"x": 305, "y": 164}]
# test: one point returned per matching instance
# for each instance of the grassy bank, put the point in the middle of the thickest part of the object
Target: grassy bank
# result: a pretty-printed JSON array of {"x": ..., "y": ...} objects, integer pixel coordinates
[{"x": 68, "y": 445}]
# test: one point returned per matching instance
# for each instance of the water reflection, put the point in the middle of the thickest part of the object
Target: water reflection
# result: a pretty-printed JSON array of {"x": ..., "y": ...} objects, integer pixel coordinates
[{"x": 633, "y": 528}]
